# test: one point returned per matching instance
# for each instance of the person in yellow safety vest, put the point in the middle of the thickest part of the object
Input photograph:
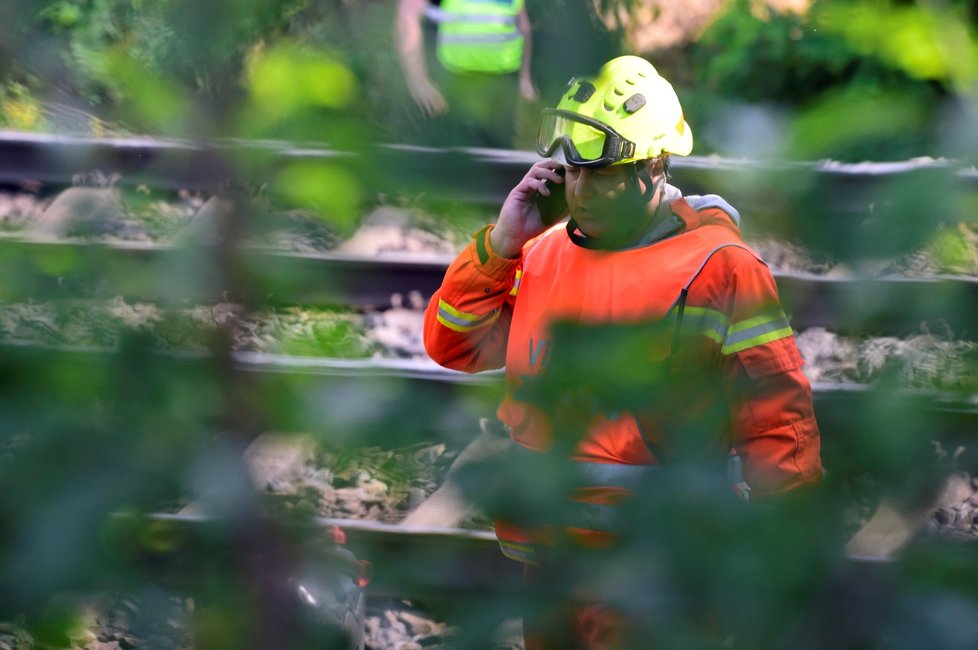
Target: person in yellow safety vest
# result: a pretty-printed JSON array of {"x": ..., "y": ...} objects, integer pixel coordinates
[
  {"x": 714, "y": 368},
  {"x": 483, "y": 50}
]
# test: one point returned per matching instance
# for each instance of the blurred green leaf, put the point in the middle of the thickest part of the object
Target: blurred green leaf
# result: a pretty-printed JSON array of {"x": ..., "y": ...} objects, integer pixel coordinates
[
  {"x": 928, "y": 41},
  {"x": 19, "y": 108},
  {"x": 288, "y": 78},
  {"x": 57, "y": 263},
  {"x": 149, "y": 100},
  {"x": 63, "y": 13},
  {"x": 955, "y": 250},
  {"x": 857, "y": 123},
  {"x": 61, "y": 624},
  {"x": 330, "y": 191}
]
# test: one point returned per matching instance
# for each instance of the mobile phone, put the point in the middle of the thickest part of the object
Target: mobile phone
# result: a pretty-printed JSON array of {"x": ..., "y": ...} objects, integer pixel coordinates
[{"x": 554, "y": 207}]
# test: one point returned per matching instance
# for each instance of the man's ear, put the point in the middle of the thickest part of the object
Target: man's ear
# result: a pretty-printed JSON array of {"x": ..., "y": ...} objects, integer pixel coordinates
[{"x": 657, "y": 166}]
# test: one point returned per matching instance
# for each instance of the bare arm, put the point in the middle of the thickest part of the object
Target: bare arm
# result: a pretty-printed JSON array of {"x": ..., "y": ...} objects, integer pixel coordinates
[
  {"x": 410, "y": 52},
  {"x": 527, "y": 89}
]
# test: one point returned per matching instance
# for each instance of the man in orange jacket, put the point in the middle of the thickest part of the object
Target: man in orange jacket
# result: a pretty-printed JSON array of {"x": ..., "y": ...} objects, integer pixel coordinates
[{"x": 633, "y": 251}]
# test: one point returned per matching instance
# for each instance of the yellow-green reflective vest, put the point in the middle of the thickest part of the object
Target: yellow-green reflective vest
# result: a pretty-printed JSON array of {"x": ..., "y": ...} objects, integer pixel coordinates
[{"x": 479, "y": 35}]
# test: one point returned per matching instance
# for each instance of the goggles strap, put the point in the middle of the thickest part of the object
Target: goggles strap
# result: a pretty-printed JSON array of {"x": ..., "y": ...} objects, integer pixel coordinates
[{"x": 626, "y": 149}]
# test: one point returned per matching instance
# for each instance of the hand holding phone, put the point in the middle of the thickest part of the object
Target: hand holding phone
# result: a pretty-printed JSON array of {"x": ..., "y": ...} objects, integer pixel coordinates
[
  {"x": 554, "y": 207},
  {"x": 518, "y": 222}
]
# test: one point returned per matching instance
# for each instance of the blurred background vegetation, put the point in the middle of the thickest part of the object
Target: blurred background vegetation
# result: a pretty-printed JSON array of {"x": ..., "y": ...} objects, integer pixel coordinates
[
  {"x": 835, "y": 79},
  {"x": 777, "y": 82}
]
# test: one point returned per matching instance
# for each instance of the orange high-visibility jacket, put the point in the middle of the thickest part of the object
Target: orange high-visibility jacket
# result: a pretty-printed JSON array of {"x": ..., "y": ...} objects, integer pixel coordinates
[{"x": 491, "y": 311}]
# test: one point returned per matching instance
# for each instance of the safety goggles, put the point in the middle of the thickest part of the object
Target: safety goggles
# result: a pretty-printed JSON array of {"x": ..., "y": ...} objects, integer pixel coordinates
[{"x": 584, "y": 142}]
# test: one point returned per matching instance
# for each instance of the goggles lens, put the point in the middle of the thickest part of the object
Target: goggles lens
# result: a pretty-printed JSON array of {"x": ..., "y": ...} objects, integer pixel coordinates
[{"x": 587, "y": 141}]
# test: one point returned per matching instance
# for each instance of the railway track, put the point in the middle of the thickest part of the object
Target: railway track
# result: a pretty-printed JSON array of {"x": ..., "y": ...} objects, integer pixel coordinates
[
  {"x": 372, "y": 391},
  {"x": 887, "y": 306},
  {"x": 467, "y": 562},
  {"x": 470, "y": 559},
  {"x": 821, "y": 196},
  {"x": 472, "y": 564}
]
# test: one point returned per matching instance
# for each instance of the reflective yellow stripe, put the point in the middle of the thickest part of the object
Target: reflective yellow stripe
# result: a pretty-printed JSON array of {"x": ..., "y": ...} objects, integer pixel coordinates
[
  {"x": 520, "y": 552},
  {"x": 480, "y": 45},
  {"x": 706, "y": 322},
  {"x": 460, "y": 321},
  {"x": 758, "y": 330},
  {"x": 516, "y": 283}
]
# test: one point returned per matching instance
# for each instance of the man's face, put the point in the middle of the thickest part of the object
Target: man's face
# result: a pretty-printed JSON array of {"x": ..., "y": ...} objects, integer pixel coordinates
[{"x": 607, "y": 203}]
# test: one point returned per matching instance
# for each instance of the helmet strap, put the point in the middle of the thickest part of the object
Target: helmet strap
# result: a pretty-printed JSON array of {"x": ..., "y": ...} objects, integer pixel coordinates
[{"x": 640, "y": 172}]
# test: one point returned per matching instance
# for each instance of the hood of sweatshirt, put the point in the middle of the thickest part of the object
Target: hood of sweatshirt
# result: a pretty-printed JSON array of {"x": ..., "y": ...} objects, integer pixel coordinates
[{"x": 675, "y": 214}]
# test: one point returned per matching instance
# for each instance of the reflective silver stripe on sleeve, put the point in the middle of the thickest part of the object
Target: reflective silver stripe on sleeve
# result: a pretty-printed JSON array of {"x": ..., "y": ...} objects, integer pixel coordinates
[
  {"x": 440, "y": 16},
  {"x": 706, "y": 322},
  {"x": 614, "y": 474},
  {"x": 520, "y": 552},
  {"x": 516, "y": 284},
  {"x": 480, "y": 38},
  {"x": 770, "y": 330},
  {"x": 593, "y": 474},
  {"x": 466, "y": 324}
]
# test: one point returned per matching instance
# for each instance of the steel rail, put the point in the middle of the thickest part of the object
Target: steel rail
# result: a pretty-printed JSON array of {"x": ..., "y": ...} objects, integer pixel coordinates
[
  {"x": 160, "y": 162},
  {"x": 144, "y": 271},
  {"x": 469, "y": 174},
  {"x": 440, "y": 561},
  {"x": 891, "y": 305},
  {"x": 23, "y": 155},
  {"x": 426, "y": 400},
  {"x": 438, "y": 570}
]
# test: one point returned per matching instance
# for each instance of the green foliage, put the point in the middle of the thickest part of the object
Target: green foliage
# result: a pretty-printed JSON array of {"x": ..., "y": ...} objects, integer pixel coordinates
[
  {"x": 759, "y": 53},
  {"x": 318, "y": 333},
  {"x": 84, "y": 438},
  {"x": 327, "y": 190},
  {"x": 291, "y": 331},
  {"x": 956, "y": 249},
  {"x": 867, "y": 80},
  {"x": 157, "y": 61},
  {"x": 64, "y": 14},
  {"x": 19, "y": 108},
  {"x": 152, "y": 102},
  {"x": 928, "y": 41},
  {"x": 364, "y": 32},
  {"x": 781, "y": 57},
  {"x": 289, "y": 78},
  {"x": 862, "y": 123}
]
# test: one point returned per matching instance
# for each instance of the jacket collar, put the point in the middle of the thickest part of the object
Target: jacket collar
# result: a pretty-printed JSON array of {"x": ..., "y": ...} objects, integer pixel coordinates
[{"x": 665, "y": 223}]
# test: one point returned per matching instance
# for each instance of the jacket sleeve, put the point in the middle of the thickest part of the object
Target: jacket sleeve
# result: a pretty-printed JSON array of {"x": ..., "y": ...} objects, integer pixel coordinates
[
  {"x": 772, "y": 417},
  {"x": 467, "y": 320}
]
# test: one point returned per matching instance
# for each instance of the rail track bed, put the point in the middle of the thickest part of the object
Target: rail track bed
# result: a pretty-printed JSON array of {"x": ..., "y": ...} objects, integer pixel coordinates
[
  {"x": 332, "y": 387},
  {"x": 397, "y": 402},
  {"x": 887, "y": 305}
]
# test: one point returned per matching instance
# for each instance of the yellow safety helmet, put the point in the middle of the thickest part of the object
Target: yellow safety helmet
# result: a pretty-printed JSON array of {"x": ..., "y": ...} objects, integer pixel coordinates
[{"x": 627, "y": 113}]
